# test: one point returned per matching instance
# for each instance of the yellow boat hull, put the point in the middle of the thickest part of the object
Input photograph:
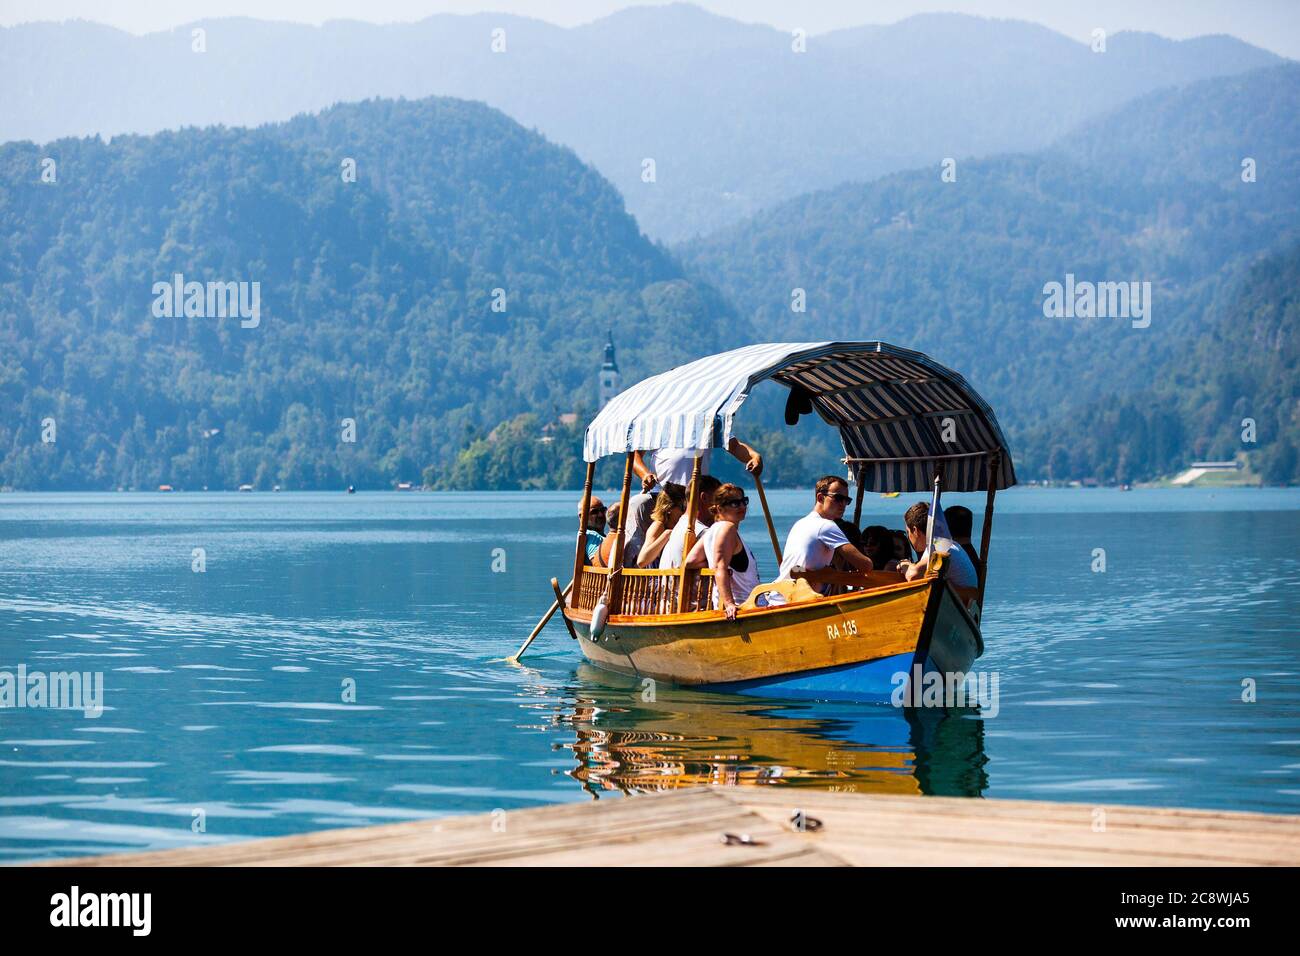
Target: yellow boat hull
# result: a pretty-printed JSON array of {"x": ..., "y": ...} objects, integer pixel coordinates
[{"x": 849, "y": 646}]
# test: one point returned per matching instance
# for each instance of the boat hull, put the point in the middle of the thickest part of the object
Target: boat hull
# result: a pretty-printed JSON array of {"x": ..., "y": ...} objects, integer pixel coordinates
[
  {"x": 872, "y": 680},
  {"x": 857, "y": 646}
]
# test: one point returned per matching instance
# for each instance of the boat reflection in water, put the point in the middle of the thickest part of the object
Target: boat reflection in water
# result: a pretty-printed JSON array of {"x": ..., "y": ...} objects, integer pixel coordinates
[{"x": 632, "y": 740}]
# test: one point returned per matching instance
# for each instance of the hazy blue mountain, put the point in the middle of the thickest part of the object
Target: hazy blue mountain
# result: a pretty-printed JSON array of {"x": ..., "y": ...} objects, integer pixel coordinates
[
  {"x": 733, "y": 117},
  {"x": 1197, "y": 134},
  {"x": 1152, "y": 193},
  {"x": 1233, "y": 388},
  {"x": 376, "y": 298}
]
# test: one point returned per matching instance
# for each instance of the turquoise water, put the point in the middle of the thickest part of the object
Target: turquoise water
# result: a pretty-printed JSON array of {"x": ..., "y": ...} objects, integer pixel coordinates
[{"x": 225, "y": 714}]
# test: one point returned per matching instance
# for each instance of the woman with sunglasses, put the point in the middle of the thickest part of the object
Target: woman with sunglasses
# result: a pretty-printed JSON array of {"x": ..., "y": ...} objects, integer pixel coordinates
[{"x": 720, "y": 547}]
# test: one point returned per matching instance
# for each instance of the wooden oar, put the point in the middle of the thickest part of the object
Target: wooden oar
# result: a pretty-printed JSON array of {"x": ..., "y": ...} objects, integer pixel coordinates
[
  {"x": 555, "y": 606},
  {"x": 771, "y": 528},
  {"x": 559, "y": 599}
]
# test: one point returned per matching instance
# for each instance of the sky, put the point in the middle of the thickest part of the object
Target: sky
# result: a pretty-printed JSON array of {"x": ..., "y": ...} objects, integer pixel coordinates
[{"x": 1271, "y": 24}]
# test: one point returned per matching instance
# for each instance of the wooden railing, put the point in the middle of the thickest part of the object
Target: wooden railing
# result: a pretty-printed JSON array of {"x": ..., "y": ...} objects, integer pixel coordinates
[
  {"x": 589, "y": 587},
  {"x": 646, "y": 590},
  {"x": 700, "y": 589},
  {"x": 649, "y": 591}
]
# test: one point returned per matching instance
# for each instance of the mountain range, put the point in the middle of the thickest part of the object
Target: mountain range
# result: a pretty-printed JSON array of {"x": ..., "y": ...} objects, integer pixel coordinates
[
  {"x": 434, "y": 281},
  {"x": 733, "y": 117}
]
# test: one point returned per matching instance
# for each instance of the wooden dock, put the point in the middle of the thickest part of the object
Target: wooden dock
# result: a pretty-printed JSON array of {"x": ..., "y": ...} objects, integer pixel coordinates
[{"x": 689, "y": 827}]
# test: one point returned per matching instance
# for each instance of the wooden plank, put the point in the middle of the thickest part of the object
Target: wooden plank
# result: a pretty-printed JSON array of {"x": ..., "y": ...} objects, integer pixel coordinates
[
  {"x": 1175, "y": 817},
  {"x": 868, "y": 830},
  {"x": 686, "y": 828},
  {"x": 681, "y": 828}
]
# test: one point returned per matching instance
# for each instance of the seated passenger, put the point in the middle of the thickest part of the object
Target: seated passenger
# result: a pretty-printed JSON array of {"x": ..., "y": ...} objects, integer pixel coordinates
[
  {"x": 960, "y": 523},
  {"x": 816, "y": 539},
  {"x": 595, "y": 529},
  {"x": 671, "y": 557},
  {"x": 640, "y": 515},
  {"x": 607, "y": 545},
  {"x": 902, "y": 547},
  {"x": 669, "y": 507},
  {"x": 721, "y": 548},
  {"x": 878, "y": 545},
  {"x": 839, "y": 562},
  {"x": 960, "y": 571}
]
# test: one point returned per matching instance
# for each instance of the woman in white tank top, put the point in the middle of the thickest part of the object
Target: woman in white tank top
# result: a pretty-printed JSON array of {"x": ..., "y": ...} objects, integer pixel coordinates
[{"x": 721, "y": 548}]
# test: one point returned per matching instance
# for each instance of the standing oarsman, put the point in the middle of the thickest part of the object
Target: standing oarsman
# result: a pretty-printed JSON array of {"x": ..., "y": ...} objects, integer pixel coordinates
[{"x": 671, "y": 465}]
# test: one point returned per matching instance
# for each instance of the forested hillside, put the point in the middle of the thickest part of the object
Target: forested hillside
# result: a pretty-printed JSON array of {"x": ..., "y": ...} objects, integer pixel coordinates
[
  {"x": 1155, "y": 193},
  {"x": 377, "y": 298},
  {"x": 1236, "y": 388}
]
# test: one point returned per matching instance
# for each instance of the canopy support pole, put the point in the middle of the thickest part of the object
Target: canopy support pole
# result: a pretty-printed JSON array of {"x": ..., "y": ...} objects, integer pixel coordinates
[
  {"x": 857, "y": 508},
  {"x": 771, "y": 528},
  {"x": 994, "y": 467},
  {"x": 929, "y": 521},
  {"x": 579, "y": 558},
  {"x": 689, "y": 518},
  {"x": 616, "y": 555}
]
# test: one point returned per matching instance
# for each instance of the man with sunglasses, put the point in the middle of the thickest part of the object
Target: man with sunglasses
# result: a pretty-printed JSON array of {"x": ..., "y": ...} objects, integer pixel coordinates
[
  {"x": 595, "y": 529},
  {"x": 816, "y": 540}
]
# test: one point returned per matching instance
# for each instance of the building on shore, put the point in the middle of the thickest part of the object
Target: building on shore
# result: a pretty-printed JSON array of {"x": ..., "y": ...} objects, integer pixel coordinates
[{"x": 610, "y": 379}]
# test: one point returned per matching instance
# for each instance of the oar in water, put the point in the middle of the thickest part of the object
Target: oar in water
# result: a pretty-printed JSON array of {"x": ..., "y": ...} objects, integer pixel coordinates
[{"x": 555, "y": 606}]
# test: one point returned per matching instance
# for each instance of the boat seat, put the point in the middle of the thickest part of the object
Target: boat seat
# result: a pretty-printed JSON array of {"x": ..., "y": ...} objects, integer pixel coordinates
[
  {"x": 794, "y": 592},
  {"x": 840, "y": 581}
]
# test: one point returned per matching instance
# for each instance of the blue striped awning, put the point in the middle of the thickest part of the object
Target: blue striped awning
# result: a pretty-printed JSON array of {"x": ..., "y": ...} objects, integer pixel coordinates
[{"x": 889, "y": 404}]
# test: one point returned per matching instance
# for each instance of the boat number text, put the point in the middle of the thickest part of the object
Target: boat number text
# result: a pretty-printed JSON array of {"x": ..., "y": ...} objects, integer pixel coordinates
[{"x": 846, "y": 628}]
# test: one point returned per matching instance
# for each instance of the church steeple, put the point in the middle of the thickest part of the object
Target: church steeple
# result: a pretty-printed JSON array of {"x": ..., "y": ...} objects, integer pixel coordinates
[{"x": 609, "y": 376}]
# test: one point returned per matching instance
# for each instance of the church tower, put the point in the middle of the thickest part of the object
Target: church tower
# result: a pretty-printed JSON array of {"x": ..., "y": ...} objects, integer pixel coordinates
[{"x": 610, "y": 380}]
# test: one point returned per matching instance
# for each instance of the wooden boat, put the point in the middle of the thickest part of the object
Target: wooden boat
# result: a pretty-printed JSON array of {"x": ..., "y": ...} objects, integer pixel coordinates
[{"x": 907, "y": 424}]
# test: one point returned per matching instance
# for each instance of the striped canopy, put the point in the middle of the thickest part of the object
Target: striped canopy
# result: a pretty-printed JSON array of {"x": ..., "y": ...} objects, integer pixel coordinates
[{"x": 888, "y": 403}]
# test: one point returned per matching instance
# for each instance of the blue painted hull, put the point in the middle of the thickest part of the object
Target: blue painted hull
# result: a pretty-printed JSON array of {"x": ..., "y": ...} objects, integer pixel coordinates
[
  {"x": 951, "y": 644},
  {"x": 869, "y": 681}
]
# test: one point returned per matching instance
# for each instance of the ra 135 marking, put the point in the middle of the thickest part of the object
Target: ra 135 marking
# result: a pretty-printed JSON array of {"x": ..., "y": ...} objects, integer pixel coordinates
[{"x": 846, "y": 628}]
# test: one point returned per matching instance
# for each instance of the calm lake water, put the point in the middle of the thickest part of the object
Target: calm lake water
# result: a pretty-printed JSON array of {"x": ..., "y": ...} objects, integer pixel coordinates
[{"x": 225, "y": 690}]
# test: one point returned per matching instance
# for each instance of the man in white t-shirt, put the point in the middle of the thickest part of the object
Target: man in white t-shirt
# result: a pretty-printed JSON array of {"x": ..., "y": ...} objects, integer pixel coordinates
[
  {"x": 815, "y": 540},
  {"x": 671, "y": 557}
]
